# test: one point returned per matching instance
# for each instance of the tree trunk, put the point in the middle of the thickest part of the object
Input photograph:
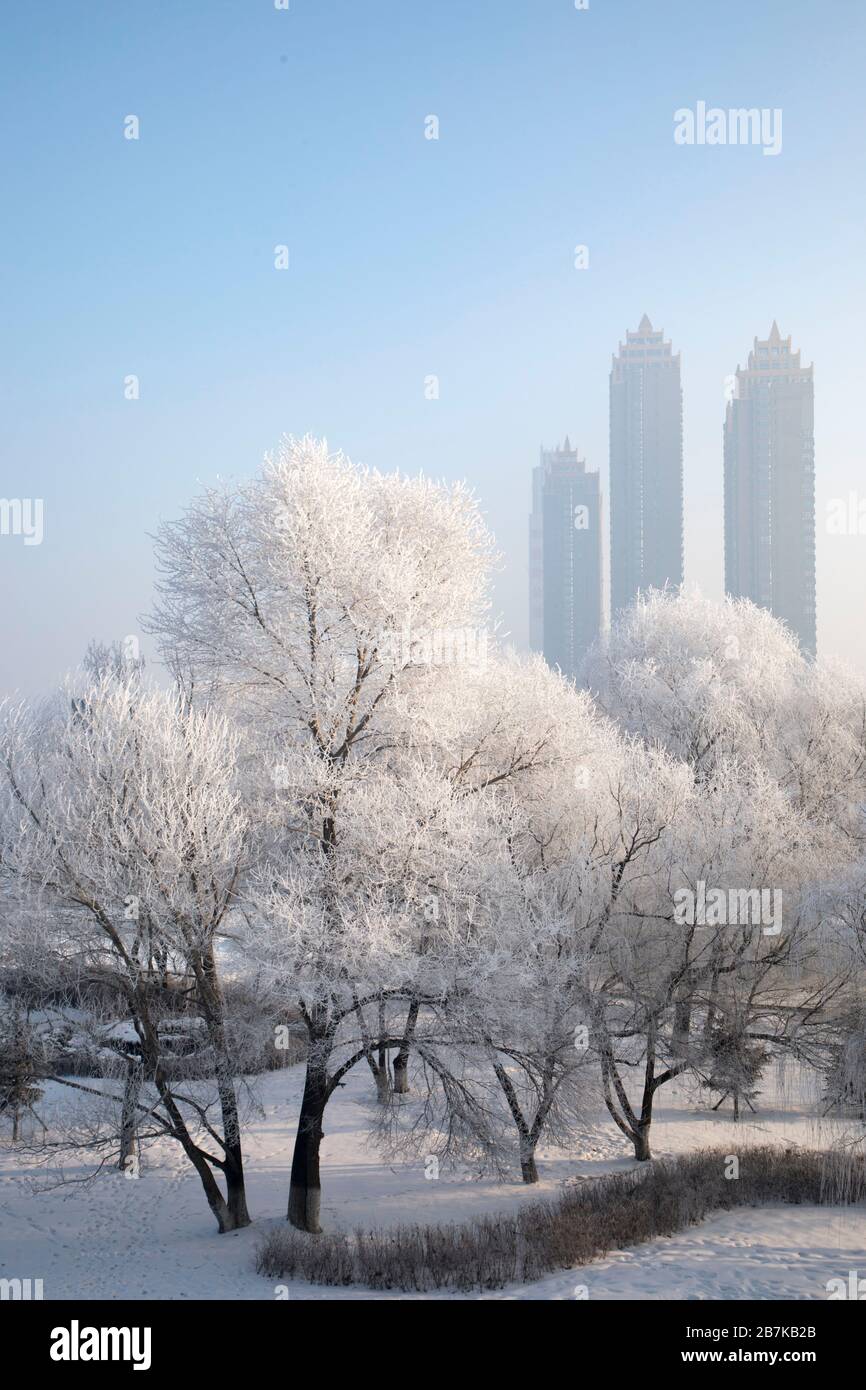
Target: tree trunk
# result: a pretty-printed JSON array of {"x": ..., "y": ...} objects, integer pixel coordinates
[
  {"x": 528, "y": 1168},
  {"x": 401, "y": 1061},
  {"x": 641, "y": 1141},
  {"x": 305, "y": 1190},
  {"x": 527, "y": 1138},
  {"x": 215, "y": 1200},
  {"x": 379, "y": 1069},
  {"x": 234, "y": 1162},
  {"x": 383, "y": 1079},
  {"x": 213, "y": 1007},
  {"x": 226, "y": 1219},
  {"x": 383, "y": 1083},
  {"x": 642, "y": 1129},
  {"x": 236, "y": 1197},
  {"x": 128, "y": 1111}
]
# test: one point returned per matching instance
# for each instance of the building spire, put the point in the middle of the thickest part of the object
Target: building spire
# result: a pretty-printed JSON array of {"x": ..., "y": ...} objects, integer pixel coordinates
[{"x": 645, "y": 326}]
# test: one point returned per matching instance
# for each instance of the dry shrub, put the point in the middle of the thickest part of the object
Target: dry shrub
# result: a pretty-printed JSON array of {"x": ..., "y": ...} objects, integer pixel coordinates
[{"x": 584, "y": 1223}]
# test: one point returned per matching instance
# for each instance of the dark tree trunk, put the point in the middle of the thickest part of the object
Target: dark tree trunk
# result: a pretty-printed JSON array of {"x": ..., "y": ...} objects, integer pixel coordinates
[
  {"x": 642, "y": 1129},
  {"x": 401, "y": 1073},
  {"x": 383, "y": 1082},
  {"x": 213, "y": 1008},
  {"x": 528, "y": 1168},
  {"x": 380, "y": 1064},
  {"x": 305, "y": 1190},
  {"x": 528, "y": 1138},
  {"x": 376, "y": 1054},
  {"x": 227, "y": 1219},
  {"x": 235, "y": 1189},
  {"x": 128, "y": 1112},
  {"x": 641, "y": 1141},
  {"x": 401, "y": 1061}
]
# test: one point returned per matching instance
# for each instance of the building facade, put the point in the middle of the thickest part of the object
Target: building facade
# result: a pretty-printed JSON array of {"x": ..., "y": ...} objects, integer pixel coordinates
[
  {"x": 565, "y": 559},
  {"x": 769, "y": 448},
  {"x": 646, "y": 467}
]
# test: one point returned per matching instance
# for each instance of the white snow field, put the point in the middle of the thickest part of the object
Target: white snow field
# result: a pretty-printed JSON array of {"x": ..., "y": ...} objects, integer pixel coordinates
[{"x": 154, "y": 1238}]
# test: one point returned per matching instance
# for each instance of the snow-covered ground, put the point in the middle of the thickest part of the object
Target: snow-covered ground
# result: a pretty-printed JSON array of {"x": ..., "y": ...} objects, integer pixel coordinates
[{"x": 154, "y": 1237}]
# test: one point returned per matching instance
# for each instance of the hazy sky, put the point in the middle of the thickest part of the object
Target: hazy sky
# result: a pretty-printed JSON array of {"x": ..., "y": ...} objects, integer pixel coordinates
[{"x": 409, "y": 258}]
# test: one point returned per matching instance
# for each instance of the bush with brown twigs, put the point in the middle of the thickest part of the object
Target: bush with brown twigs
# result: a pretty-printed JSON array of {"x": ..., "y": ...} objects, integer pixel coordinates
[{"x": 581, "y": 1225}]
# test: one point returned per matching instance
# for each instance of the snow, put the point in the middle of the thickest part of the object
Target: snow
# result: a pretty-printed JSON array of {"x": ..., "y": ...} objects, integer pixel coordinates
[
  {"x": 122, "y": 1032},
  {"x": 153, "y": 1237},
  {"x": 779, "y": 1252}
]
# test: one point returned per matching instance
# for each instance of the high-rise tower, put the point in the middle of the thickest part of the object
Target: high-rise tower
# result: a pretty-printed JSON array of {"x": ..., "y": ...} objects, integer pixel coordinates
[
  {"x": 770, "y": 486},
  {"x": 646, "y": 467},
  {"x": 565, "y": 582}
]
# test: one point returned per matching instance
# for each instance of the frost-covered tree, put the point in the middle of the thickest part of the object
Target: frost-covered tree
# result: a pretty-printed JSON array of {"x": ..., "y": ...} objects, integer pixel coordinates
[
  {"x": 845, "y": 1073},
  {"x": 408, "y": 911},
  {"x": 530, "y": 1018},
  {"x": 724, "y": 688},
  {"x": 309, "y": 594},
  {"x": 720, "y": 914},
  {"x": 579, "y": 812},
  {"x": 734, "y": 1063},
  {"x": 122, "y": 660},
  {"x": 19, "y": 1064},
  {"x": 315, "y": 601},
  {"x": 839, "y": 905},
  {"x": 389, "y": 916},
  {"x": 514, "y": 732},
  {"x": 704, "y": 679},
  {"x": 715, "y": 681},
  {"x": 124, "y": 841}
]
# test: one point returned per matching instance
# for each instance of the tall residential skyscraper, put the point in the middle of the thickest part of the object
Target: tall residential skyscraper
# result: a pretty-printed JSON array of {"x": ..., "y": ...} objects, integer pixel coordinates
[
  {"x": 565, "y": 587},
  {"x": 770, "y": 486},
  {"x": 646, "y": 466}
]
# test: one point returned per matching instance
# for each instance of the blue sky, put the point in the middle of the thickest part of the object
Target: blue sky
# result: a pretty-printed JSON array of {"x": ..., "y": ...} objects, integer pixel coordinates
[{"x": 408, "y": 258}]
